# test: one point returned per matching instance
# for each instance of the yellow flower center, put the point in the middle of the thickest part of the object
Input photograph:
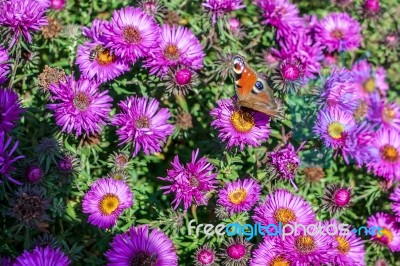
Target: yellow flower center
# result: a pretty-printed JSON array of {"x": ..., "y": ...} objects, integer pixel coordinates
[
  {"x": 131, "y": 35},
  {"x": 279, "y": 261},
  {"x": 343, "y": 245},
  {"x": 81, "y": 101},
  {"x": 335, "y": 130},
  {"x": 109, "y": 203},
  {"x": 337, "y": 34},
  {"x": 237, "y": 196},
  {"x": 171, "y": 52},
  {"x": 284, "y": 215},
  {"x": 242, "y": 121},
  {"x": 369, "y": 85},
  {"x": 388, "y": 114},
  {"x": 389, "y": 153},
  {"x": 105, "y": 57},
  {"x": 305, "y": 244},
  {"x": 385, "y": 232}
]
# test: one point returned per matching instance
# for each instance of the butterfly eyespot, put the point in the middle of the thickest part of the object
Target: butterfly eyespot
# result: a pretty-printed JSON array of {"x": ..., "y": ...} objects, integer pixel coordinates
[
  {"x": 259, "y": 85},
  {"x": 238, "y": 65}
]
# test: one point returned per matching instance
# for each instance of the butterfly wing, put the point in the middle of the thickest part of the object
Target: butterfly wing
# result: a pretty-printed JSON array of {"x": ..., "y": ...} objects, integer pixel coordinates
[{"x": 254, "y": 92}]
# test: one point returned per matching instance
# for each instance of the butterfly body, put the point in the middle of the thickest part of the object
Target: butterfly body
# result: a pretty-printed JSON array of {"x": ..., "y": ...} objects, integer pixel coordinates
[{"x": 253, "y": 92}]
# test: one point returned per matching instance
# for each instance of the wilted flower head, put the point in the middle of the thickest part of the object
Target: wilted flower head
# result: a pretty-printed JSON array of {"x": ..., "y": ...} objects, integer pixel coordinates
[
  {"x": 238, "y": 127},
  {"x": 177, "y": 46},
  {"x": 52, "y": 29},
  {"x": 29, "y": 205},
  {"x": 51, "y": 75},
  {"x": 218, "y": 8},
  {"x": 79, "y": 106},
  {"x": 141, "y": 246},
  {"x": 190, "y": 183},
  {"x": 336, "y": 198},
  {"x": 152, "y": 7},
  {"x": 6, "y": 158},
  {"x": 142, "y": 124},
  {"x": 119, "y": 160},
  {"x": 48, "y": 149},
  {"x": 10, "y": 109},
  {"x": 339, "y": 32},
  {"x": 21, "y": 18},
  {"x": 313, "y": 174},
  {"x": 205, "y": 256}
]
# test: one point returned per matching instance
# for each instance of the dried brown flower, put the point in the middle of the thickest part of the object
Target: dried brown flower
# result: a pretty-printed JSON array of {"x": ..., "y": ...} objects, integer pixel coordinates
[
  {"x": 51, "y": 75},
  {"x": 51, "y": 30}
]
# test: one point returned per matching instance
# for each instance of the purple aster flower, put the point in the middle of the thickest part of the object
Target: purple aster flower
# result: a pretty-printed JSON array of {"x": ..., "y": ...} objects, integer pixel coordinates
[
  {"x": 6, "y": 261},
  {"x": 389, "y": 235},
  {"x": 336, "y": 198},
  {"x": 369, "y": 81},
  {"x": 139, "y": 246},
  {"x": 218, "y": 8},
  {"x": 395, "y": 197},
  {"x": 21, "y": 18},
  {"x": 95, "y": 32},
  {"x": 281, "y": 206},
  {"x": 180, "y": 80},
  {"x": 43, "y": 256},
  {"x": 190, "y": 183},
  {"x": 339, "y": 32},
  {"x": 106, "y": 200},
  {"x": 238, "y": 127},
  {"x": 289, "y": 75},
  {"x": 10, "y": 109},
  {"x": 177, "y": 45},
  {"x": 385, "y": 114},
  {"x": 236, "y": 251},
  {"x": 95, "y": 61},
  {"x": 131, "y": 34},
  {"x": 267, "y": 253},
  {"x": 338, "y": 91},
  {"x": 205, "y": 256},
  {"x": 142, "y": 124},
  {"x": 79, "y": 106},
  {"x": 6, "y": 160},
  {"x": 4, "y": 65},
  {"x": 387, "y": 162},
  {"x": 371, "y": 7},
  {"x": 240, "y": 195},
  {"x": 333, "y": 125},
  {"x": 58, "y": 4},
  {"x": 285, "y": 163},
  {"x": 282, "y": 15},
  {"x": 234, "y": 27},
  {"x": 301, "y": 48}
]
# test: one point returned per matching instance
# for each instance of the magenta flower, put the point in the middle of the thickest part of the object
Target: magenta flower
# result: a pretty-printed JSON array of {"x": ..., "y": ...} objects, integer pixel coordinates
[
  {"x": 218, "y": 8},
  {"x": 387, "y": 162},
  {"x": 106, "y": 200},
  {"x": 42, "y": 256},
  {"x": 205, "y": 256},
  {"x": 79, "y": 106},
  {"x": 236, "y": 251},
  {"x": 240, "y": 128},
  {"x": 4, "y": 65},
  {"x": 289, "y": 75},
  {"x": 131, "y": 34},
  {"x": 190, "y": 183},
  {"x": 96, "y": 31},
  {"x": 240, "y": 195},
  {"x": 395, "y": 198},
  {"x": 333, "y": 125},
  {"x": 282, "y": 15},
  {"x": 58, "y": 4},
  {"x": 281, "y": 206},
  {"x": 100, "y": 63},
  {"x": 385, "y": 114},
  {"x": 6, "y": 159},
  {"x": 140, "y": 246},
  {"x": 177, "y": 45},
  {"x": 21, "y": 18},
  {"x": 142, "y": 124},
  {"x": 336, "y": 198},
  {"x": 389, "y": 235},
  {"x": 339, "y": 32},
  {"x": 268, "y": 253},
  {"x": 10, "y": 109}
]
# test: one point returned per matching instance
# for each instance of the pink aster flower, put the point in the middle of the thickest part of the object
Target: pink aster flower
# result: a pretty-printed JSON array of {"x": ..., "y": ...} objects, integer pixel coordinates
[
  {"x": 282, "y": 15},
  {"x": 369, "y": 81},
  {"x": 289, "y": 75},
  {"x": 21, "y": 18},
  {"x": 177, "y": 45},
  {"x": 218, "y": 8},
  {"x": 106, "y": 200},
  {"x": 79, "y": 106},
  {"x": 190, "y": 183},
  {"x": 336, "y": 198},
  {"x": 371, "y": 7},
  {"x": 6, "y": 159},
  {"x": 240, "y": 128},
  {"x": 58, "y": 4},
  {"x": 140, "y": 246},
  {"x": 100, "y": 63},
  {"x": 240, "y": 195},
  {"x": 96, "y": 30},
  {"x": 385, "y": 114},
  {"x": 131, "y": 34},
  {"x": 387, "y": 163},
  {"x": 236, "y": 251},
  {"x": 333, "y": 125},
  {"x": 389, "y": 234},
  {"x": 142, "y": 124},
  {"x": 41, "y": 256},
  {"x": 339, "y": 32},
  {"x": 205, "y": 256},
  {"x": 4, "y": 65},
  {"x": 268, "y": 253},
  {"x": 281, "y": 206},
  {"x": 395, "y": 198},
  {"x": 10, "y": 109}
]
